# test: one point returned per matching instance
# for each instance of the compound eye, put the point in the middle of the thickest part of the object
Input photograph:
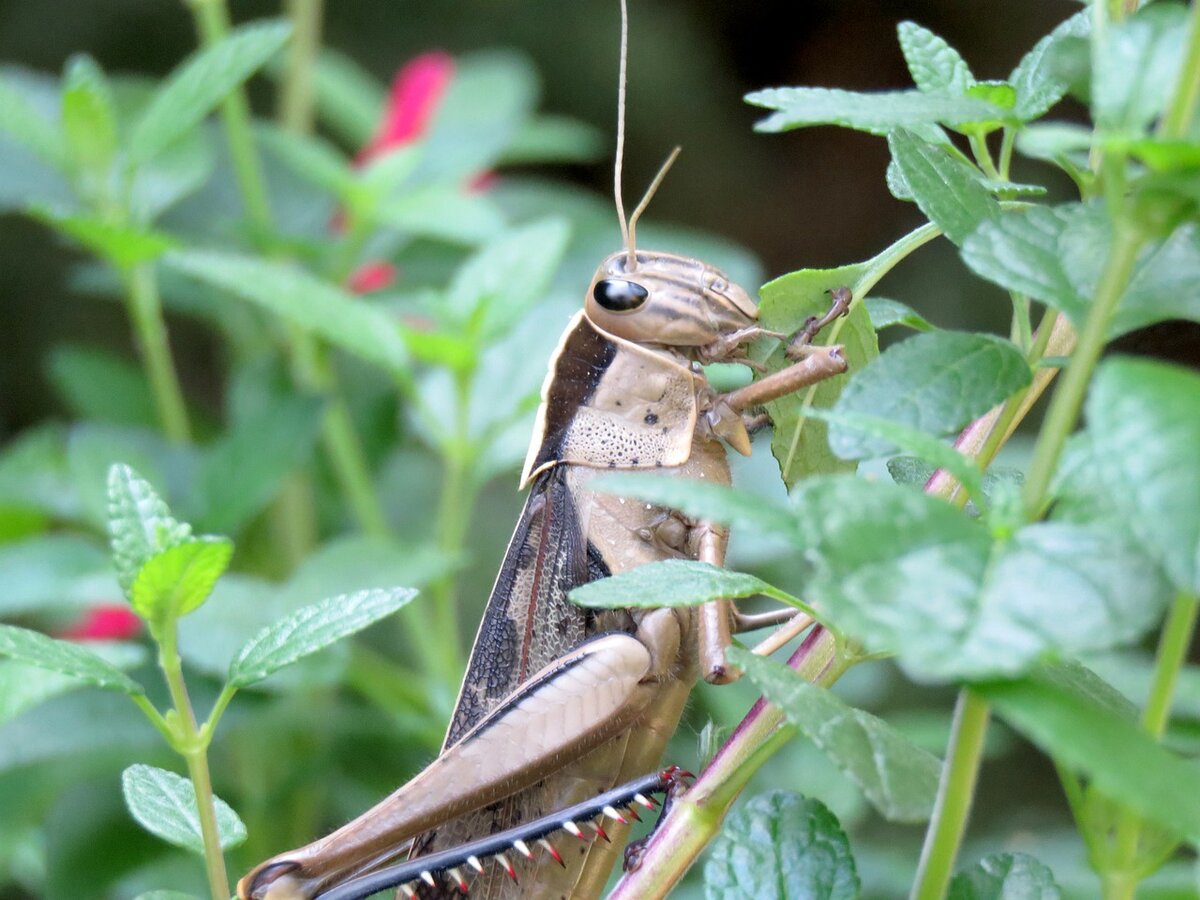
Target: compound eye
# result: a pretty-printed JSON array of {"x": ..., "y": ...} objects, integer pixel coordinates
[{"x": 617, "y": 295}]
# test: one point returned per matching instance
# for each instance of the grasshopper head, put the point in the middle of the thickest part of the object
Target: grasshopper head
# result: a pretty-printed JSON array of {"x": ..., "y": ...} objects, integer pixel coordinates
[{"x": 670, "y": 300}]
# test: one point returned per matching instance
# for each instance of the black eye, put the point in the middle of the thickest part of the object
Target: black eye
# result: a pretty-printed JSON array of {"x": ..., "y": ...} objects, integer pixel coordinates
[{"x": 616, "y": 295}]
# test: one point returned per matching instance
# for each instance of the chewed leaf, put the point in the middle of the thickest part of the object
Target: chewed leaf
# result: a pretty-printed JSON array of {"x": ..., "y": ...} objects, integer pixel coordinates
[{"x": 165, "y": 805}]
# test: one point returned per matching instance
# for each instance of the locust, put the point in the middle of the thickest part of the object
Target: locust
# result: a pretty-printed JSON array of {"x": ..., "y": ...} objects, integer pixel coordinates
[{"x": 563, "y": 709}]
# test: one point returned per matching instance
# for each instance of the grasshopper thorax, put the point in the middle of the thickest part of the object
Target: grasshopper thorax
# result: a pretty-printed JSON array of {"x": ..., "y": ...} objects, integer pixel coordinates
[{"x": 667, "y": 300}]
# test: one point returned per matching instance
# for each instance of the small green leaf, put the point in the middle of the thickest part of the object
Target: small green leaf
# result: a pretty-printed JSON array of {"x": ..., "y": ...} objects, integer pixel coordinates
[
  {"x": 175, "y": 581},
  {"x": 200, "y": 83},
  {"x": 1005, "y": 876},
  {"x": 1144, "y": 423},
  {"x": 172, "y": 175},
  {"x": 672, "y": 582},
  {"x": 875, "y": 113},
  {"x": 139, "y": 524},
  {"x": 898, "y": 777},
  {"x": 89, "y": 120},
  {"x": 444, "y": 212},
  {"x": 312, "y": 158},
  {"x": 783, "y": 846},
  {"x": 936, "y": 67},
  {"x": 797, "y": 443},
  {"x": 946, "y": 189},
  {"x": 885, "y": 313},
  {"x": 165, "y": 805},
  {"x": 123, "y": 246},
  {"x": 714, "y": 502},
  {"x": 311, "y": 629},
  {"x": 482, "y": 288},
  {"x": 1036, "y": 79},
  {"x": 1053, "y": 141},
  {"x": 25, "y": 124},
  {"x": 1119, "y": 759},
  {"x": 316, "y": 306},
  {"x": 36, "y": 649},
  {"x": 935, "y": 383},
  {"x": 1135, "y": 67}
]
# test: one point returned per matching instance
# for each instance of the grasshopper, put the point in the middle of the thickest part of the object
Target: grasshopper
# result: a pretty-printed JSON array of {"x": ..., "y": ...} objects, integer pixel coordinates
[{"x": 560, "y": 704}]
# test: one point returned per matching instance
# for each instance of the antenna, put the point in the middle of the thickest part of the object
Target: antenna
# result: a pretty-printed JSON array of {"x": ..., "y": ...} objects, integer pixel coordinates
[
  {"x": 641, "y": 207},
  {"x": 621, "y": 79}
]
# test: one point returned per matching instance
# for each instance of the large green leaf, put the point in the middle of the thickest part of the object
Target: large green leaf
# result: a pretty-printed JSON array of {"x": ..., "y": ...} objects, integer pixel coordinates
[
  {"x": 311, "y": 629},
  {"x": 783, "y": 846},
  {"x": 672, "y": 582},
  {"x": 199, "y": 83},
  {"x": 1144, "y": 425},
  {"x": 165, "y": 805},
  {"x": 66, "y": 658},
  {"x": 1005, "y": 876},
  {"x": 100, "y": 386},
  {"x": 898, "y": 777},
  {"x": 876, "y": 113},
  {"x": 936, "y": 382},
  {"x": 303, "y": 300},
  {"x": 25, "y": 685},
  {"x": 51, "y": 572},
  {"x": 24, "y": 123},
  {"x": 946, "y": 188},
  {"x": 1135, "y": 66},
  {"x": 1037, "y": 80}
]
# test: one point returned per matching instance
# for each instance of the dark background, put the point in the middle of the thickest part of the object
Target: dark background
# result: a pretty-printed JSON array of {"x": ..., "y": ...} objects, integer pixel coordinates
[{"x": 809, "y": 198}]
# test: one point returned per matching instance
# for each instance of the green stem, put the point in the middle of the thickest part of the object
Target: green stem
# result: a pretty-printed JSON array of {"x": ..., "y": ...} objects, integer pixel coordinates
[
  {"x": 955, "y": 792},
  {"x": 983, "y": 155},
  {"x": 212, "y": 23},
  {"x": 878, "y": 266},
  {"x": 1006, "y": 151},
  {"x": 1178, "y": 119},
  {"x": 296, "y": 93},
  {"x": 1068, "y": 398},
  {"x": 350, "y": 468},
  {"x": 194, "y": 748},
  {"x": 150, "y": 329}
]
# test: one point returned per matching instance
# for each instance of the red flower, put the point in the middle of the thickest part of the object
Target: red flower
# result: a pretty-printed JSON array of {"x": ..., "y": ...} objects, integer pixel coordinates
[
  {"x": 105, "y": 622},
  {"x": 371, "y": 276},
  {"x": 416, "y": 92}
]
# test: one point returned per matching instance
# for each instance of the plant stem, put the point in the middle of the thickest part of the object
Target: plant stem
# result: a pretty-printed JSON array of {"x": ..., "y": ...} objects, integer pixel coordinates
[
  {"x": 983, "y": 156},
  {"x": 955, "y": 792},
  {"x": 150, "y": 329},
  {"x": 212, "y": 24},
  {"x": 296, "y": 92},
  {"x": 193, "y": 746},
  {"x": 1006, "y": 151},
  {"x": 1187, "y": 89},
  {"x": 350, "y": 467},
  {"x": 696, "y": 817},
  {"x": 1122, "y": 874},
  {"x": 1067, "y": 400}
]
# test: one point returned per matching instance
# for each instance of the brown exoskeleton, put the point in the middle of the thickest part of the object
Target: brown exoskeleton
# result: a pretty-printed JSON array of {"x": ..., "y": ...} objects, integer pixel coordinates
[{"x": 560, "y": 703}]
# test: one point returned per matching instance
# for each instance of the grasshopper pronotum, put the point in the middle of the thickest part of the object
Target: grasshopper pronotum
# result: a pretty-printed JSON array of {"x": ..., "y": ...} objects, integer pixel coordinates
[{"x": 560, "y": 704}]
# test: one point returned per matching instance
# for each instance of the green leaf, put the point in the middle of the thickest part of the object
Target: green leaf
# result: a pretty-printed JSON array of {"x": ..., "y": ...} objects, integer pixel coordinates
[
  {"x": 348, "y": 98},
  {"x": 23, "y": 686},
  {"x": 165, "y": 805},
  {"x": 311, "y": 629},
  {"x": 51, "y": 572},
  {"x": 799, "y": 444},
  {"x": 672, "y": 582},
  {"x": 885, "y": 313},
  {"x": 898, "y": 777},
  {"x": 1005, "y": 876},
  {"x": 715, "y": 502},
  {"x": 100, "y": 386},
  {"x": 36, "y": 649},
  {"x": 1053, "y": 141},
  {"x": 875, "y": 113},
  {"x": 784, "y": 846},
  {"x": 316, "y": 306},
  {"x": 199, "y": 84},
  {"x": 312, "y": 158},
  {"x": 854, "y": 427},
  {"x": 935, "y": 383},
  {"x": 1144, "y": 423},
  {"x": 444, "y": 212},
  {"x": 20, "y": 120},
  {"x": 123, "y": 246},
  {"x": 936, "y": 67},
  {"x": 554, "y": 139},
  {"x": 1119, "y": 759},
  {"x": 483, "y": 287},
  {"x": 139, "y": 524},
  {"x": 241, "y": 472},
  {"x": 1135, "y": 66},
  {"x": 946, "y": 189},
  {"x": 175, "y": 581},
  {"x": 172, "y": 175},
  {"x": 1036, "y": 79},
  {"x": 89, "y": 120}
]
